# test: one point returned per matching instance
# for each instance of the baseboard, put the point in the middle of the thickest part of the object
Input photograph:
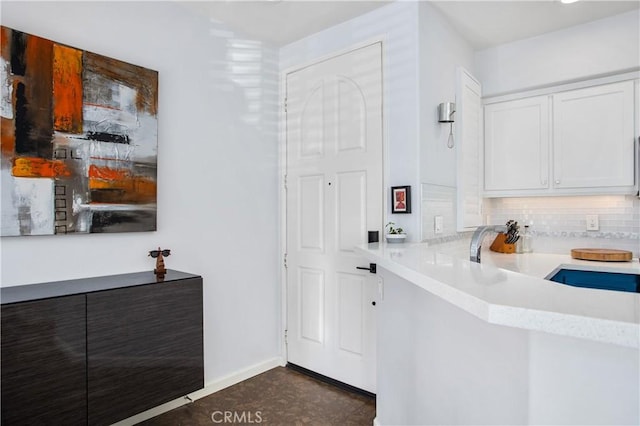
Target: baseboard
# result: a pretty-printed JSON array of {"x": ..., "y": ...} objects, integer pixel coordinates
[
  {"x": 212, "y": 387},
  {"x": 376, "y": 422}
]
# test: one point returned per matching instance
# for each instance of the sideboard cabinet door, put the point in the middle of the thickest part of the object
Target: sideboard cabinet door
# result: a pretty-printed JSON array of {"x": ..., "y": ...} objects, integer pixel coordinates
[
  {"x": 144, "y": 346},
  {"x": 44, "y": 362}
]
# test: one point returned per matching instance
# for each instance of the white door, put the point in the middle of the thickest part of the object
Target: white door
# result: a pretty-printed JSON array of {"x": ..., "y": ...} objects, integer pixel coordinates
[{"x": 334, "y": 196}]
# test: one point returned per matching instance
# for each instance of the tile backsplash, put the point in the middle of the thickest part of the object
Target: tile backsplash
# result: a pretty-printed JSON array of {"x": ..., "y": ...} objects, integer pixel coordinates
[
  {"x": 552, "y": 215},
  {"x": 438, "y": 200},
  {"x": 557, "y": 223}
]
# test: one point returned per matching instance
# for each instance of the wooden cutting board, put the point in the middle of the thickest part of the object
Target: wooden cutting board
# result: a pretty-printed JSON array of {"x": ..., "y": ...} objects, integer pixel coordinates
[{"x": 601, "y": 255}]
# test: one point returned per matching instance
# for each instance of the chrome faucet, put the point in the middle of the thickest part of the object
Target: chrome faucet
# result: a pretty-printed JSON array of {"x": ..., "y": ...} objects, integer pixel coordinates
[{"x": 478, "y": 236}]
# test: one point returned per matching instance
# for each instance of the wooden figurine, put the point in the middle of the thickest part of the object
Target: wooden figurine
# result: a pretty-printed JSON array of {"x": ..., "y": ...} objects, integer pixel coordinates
[{"x": 159, "y": 255}]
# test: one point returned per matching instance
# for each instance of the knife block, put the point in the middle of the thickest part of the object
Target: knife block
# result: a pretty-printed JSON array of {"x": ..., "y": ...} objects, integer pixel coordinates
[{"x": 500, "y": 246}]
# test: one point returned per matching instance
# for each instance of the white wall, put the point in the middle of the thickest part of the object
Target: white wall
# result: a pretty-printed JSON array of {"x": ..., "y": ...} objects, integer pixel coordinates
[
  {"x": 217, "y": 170},
  {"x": 442, "y": 50},
  {"x": 601, "y": 47},
  {"x": 397, "y": 25}
]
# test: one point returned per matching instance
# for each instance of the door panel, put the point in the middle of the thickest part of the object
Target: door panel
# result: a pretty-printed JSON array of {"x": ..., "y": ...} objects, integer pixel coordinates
[
  {"x": 350, "y": 324},
  {"x": 351, "y": 209},
  {"x": 334, "y": 196},
  {"x": 311, "y": 304},
  {"x": 351, "y": 116},
  {"x": 311, "y": 125},
  {"x": 311, "y": 212}
]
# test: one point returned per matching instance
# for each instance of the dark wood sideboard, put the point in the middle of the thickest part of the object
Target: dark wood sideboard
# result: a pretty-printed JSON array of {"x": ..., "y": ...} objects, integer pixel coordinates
[{"x": 98, "y": 350}]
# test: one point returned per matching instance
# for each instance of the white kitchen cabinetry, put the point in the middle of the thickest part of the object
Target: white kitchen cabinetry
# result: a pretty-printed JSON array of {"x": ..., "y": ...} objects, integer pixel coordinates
[
  {"x": 517, "y": 145},
  {"x": 469, "y": 151},
  {"x": 571, "y": 142},
  {"x": 593, "y": 137}
]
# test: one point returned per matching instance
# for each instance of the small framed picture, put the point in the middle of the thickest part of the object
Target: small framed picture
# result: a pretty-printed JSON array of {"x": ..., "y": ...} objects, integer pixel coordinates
[{"x": 400, "y": 199}]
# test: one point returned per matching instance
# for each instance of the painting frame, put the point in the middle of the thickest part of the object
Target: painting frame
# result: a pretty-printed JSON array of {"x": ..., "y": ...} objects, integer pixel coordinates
[
  {"x": 79, "y": 150},
  {"x": 401, "y": 199}
]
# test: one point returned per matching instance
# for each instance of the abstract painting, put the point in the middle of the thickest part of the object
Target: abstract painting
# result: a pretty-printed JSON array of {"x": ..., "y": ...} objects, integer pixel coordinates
[{"x": 79, "y": 140}]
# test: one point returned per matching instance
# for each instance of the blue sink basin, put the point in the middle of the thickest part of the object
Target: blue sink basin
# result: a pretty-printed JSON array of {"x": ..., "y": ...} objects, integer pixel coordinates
[{"x": 600, "y": 280}]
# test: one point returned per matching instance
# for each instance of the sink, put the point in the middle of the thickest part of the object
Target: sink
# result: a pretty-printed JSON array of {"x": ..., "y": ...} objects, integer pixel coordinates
[{"x": 616, "y": 281}]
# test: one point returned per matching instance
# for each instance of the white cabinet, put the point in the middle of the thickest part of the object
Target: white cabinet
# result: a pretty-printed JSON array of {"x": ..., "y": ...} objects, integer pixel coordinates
[
  {"x": 517, "y": 145},
  {"x": 593, "y": 137},
  {"x": 468, "y": 151},
  {"x": 571, "y": 142}
]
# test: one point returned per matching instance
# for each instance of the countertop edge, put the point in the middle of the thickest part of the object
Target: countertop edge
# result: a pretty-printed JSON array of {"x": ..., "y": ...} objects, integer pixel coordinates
[
  {"x": 465, "y": 301},
  {"x": 620, "y": 333}
]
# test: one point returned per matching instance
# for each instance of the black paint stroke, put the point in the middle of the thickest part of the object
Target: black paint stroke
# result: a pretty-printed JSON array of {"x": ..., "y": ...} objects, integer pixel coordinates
[
  {"x": 24, "y": 144},
  {"x": 123, "y": 221},
  {"x": 108, "y": 137},
  {"x": 18, "y": 47}
]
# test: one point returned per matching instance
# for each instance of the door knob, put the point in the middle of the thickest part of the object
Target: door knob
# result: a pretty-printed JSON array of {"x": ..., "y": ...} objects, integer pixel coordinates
[{"x": 371, "y": 268}]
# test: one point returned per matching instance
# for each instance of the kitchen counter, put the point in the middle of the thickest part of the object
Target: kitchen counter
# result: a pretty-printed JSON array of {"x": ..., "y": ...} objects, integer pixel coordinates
[
  {"x": 510, "y": 289},
  {"x": 495, "y": 343}
]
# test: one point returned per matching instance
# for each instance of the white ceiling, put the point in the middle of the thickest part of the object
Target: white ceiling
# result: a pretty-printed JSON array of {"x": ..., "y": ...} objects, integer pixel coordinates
[
  {"x": 490, "y": 23},
  {"x": 280, "y": 22},
  {"x": 483, "y": 23}
]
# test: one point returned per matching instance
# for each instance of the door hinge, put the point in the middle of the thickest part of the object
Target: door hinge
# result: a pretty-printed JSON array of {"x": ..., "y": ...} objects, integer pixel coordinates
[
  {"x": 285, "y": 261},
  {"x": 285, "y": 182},
  {"x": 286, "y": 337},
  {"x": 285, "y": 105}
]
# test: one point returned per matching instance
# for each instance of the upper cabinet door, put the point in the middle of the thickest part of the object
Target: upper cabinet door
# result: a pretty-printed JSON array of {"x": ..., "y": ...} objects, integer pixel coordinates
[
  {"x": 593, "y": 131},
  {"x": 517, "y": 145}
]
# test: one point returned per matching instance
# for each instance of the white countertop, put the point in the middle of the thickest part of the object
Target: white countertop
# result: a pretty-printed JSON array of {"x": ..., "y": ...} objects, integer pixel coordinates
[{"x": 510, "y": 289}]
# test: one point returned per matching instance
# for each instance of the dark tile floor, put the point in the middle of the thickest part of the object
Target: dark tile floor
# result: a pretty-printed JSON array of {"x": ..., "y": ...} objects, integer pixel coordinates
[{"x": 280, "y": 396}]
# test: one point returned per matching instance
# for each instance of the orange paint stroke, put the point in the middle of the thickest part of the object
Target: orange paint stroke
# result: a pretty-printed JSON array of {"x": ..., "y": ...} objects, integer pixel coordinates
[
  {"x": 107, "y": 173},
  {"x": 124, "y": 185},
  {"x": 67, "y": 89},
  {"x": 129, "y": 190},
  {"x": 7, "y": 137},
  {"x": 35, "y": 167},
  {"x": 5, "y": 46}
]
